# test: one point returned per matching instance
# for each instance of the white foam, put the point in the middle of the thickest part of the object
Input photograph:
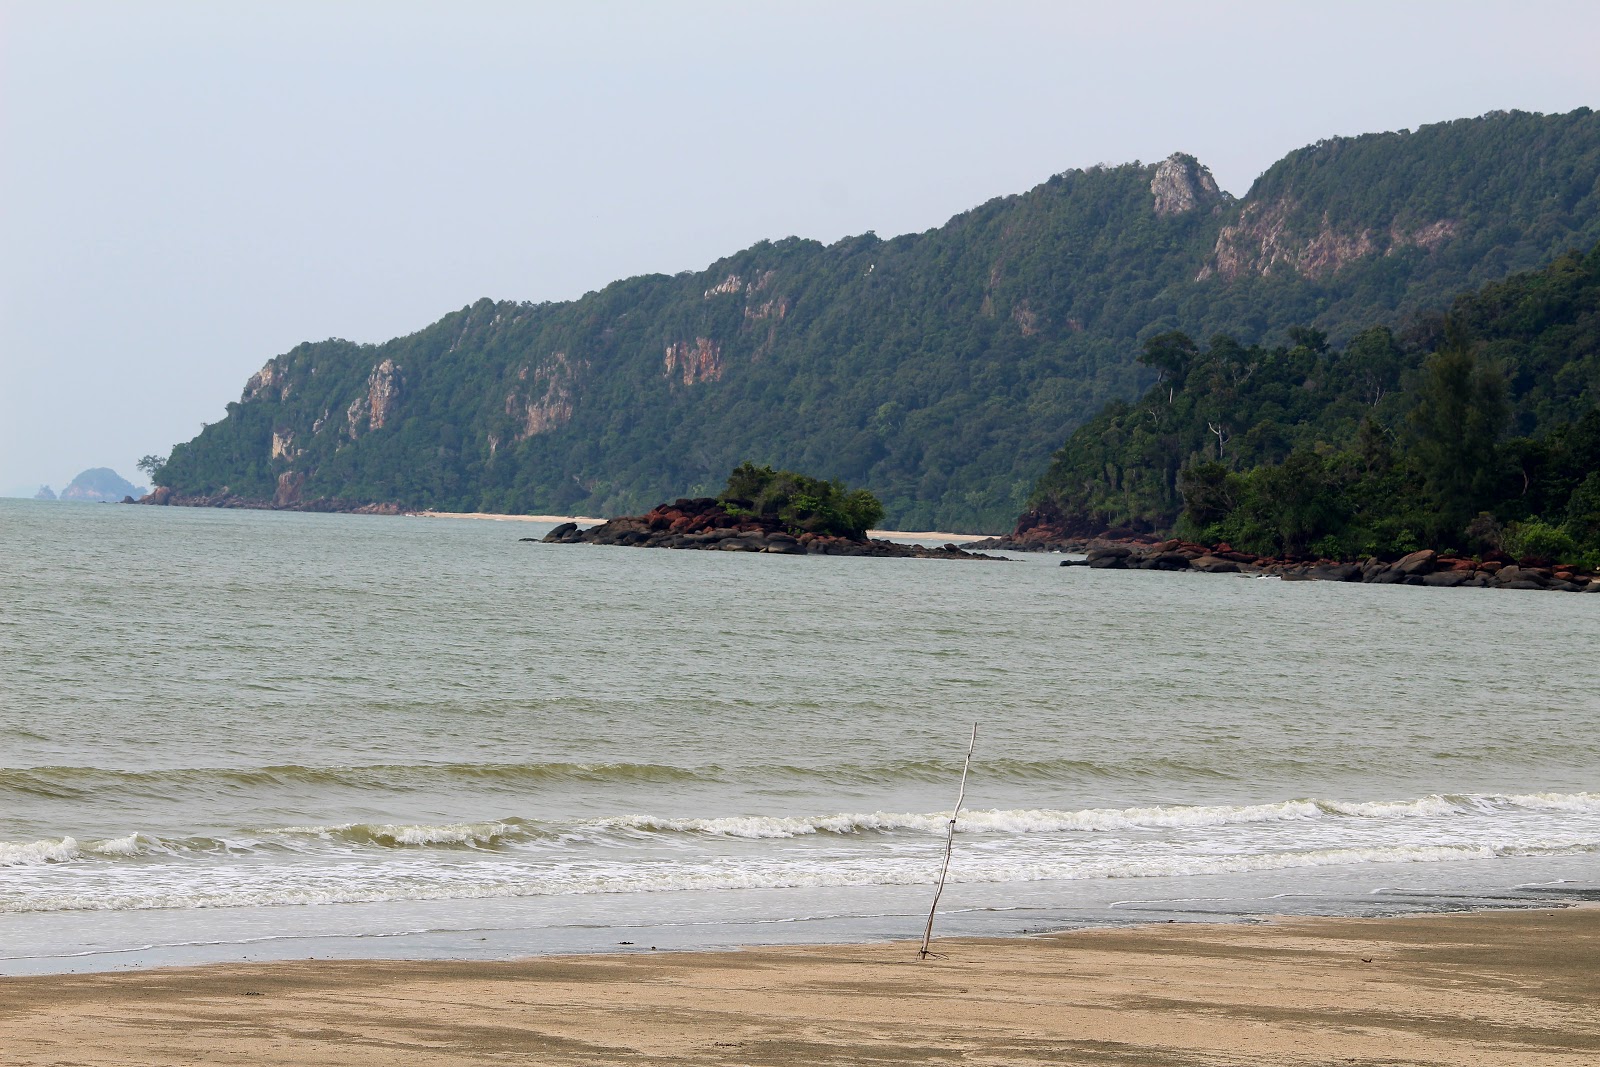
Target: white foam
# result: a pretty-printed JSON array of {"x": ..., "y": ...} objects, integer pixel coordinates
[
  {"x": 185, "y": 886},
  {"x": 33, "y": 853},
  {"x": 1045, "y": 820}
]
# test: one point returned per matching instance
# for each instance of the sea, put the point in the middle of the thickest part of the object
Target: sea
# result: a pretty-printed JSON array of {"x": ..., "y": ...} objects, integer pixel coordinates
[{"x": 236, "y": 735}]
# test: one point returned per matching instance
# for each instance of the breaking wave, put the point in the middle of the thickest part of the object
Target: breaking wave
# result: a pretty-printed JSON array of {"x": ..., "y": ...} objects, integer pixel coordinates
[{"x": 514, "y": 833}]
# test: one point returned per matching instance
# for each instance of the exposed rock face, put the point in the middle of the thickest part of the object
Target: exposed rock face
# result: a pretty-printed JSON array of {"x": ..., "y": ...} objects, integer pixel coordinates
[
  {"x": 283, "y": 445},
  {"x": 372, "y": 410},
  {"x": 699, "y": 362},
  {"x": 1262, "y": 242},
  {"x": 546, "y": 402},
  {"x": 270, "y": 379},
  {"x": 383, "y": 389},
  {"x": 290, "y": 483},
  {"x": 1182, "y": 184},
  {"x": 729, "y": 285},
  {"x": 703, "y": 524},
  {"x": 1026, "y": 318}
]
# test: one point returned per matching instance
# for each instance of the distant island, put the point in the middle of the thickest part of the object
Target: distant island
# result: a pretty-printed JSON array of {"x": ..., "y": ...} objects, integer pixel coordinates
[
  {"x": 98, "y": 485},
  {"x": 45, "y": 493}
]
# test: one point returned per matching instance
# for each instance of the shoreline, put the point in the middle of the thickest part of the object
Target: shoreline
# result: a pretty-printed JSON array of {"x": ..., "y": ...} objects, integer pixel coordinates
[
  {"x": 499, "y": 518},
  {"x": 1502, "y": 987},
  {"x": 582, "y": 520}
]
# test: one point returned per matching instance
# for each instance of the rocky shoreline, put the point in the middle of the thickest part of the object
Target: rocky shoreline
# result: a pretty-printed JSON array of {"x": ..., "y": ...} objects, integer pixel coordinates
[
  {"x": 166, "y": 497},
  {"x": 1425, "y": 567},
  {"x": 703, "y": 524}
]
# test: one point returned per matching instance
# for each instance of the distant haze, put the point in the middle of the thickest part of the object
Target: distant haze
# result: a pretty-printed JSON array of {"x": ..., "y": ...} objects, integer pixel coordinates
[{"x": 187, "y": 189}]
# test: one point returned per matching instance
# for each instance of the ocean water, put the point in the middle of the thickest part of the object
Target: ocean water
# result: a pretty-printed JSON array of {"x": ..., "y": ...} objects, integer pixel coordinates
[{"x": 230, "y": 735}]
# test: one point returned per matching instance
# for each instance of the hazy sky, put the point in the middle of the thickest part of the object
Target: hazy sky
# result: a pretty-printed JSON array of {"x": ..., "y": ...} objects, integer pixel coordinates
[{"x": 187, "y": 189}]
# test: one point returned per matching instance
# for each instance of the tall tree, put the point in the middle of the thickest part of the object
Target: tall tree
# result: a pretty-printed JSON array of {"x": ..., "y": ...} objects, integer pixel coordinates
[{"x": 1460, "y": 414}]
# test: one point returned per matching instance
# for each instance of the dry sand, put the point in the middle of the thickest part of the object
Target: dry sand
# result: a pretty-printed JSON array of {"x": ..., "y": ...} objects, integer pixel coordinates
[{"x": 1486, "y": 989}]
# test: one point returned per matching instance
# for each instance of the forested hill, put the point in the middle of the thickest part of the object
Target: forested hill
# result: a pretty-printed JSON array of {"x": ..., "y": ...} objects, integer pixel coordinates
[
  {"x": 1476, "y": 431},
  {"x": 938, "y": 369}
]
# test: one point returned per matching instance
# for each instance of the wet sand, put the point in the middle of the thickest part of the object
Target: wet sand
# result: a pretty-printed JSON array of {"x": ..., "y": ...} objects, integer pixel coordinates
[{"x": 1481, "y": 989}]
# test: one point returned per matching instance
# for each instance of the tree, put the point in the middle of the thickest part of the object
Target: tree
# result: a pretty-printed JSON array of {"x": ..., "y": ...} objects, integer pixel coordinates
[
  {"x": 1460, "y": 414},
  {"x": 800, "y": 502},
  {"x": 1173, "y": 354},
  {"x": 151, "y": 466}
]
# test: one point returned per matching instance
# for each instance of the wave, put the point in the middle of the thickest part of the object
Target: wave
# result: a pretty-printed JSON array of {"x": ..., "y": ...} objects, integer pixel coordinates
[
  {"x": 75, "y": 782},
  {"x": 510, "y": 833},
  {"x": 1025, "y": 821},
  {"x": 380, "y": 883},
  {"x": 66, "y": 783}
]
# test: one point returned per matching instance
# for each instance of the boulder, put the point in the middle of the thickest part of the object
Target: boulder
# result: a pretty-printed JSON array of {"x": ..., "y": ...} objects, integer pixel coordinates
[
  {"x": 1212, "y": 565},
  {"x": 561, "y": 531},
  {"x": 1420, "y": 562},
  {"x": 1336, "y": 572},
  {"x": 1446, "y": 579}
]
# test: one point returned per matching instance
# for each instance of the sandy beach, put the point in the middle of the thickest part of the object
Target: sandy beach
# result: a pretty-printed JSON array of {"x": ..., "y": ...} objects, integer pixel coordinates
[{"x": 1498, "y": 988}]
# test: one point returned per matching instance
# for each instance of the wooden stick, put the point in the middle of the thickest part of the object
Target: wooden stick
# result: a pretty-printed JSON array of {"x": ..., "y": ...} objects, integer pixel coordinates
[{"x": 949, "y": 845}]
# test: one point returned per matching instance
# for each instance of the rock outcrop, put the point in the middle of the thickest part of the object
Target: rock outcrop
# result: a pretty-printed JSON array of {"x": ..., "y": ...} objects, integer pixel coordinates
[
  {"x": 1181, "y": 183},
  {"x": 286, "y": 499},
  {"x": 1425, "y": 567},
  {"x": 704, "y": 524}
]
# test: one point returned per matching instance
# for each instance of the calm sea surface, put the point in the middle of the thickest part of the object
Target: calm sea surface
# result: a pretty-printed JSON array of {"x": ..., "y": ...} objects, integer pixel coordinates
[{"x": 230, "y": 735}]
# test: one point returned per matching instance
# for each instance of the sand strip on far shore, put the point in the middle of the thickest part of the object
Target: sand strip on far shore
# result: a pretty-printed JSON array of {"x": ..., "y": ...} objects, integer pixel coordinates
[
  {"x": 1492, "y": 988},
  {"x": 925, "y": 535},
  {"x": 581, "y": 520}
]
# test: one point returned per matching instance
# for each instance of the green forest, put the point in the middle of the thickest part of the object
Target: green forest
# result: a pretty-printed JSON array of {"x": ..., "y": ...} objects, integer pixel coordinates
[
  {"x": 1477, "y": 430},
  {"x": 940, "y": 370}
]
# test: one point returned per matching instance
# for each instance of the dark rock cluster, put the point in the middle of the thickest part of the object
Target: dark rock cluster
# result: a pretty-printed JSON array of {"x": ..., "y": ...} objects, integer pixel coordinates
[
  {"x": 1425, "y": 567},
  {"x": 704, "y": 524},
  {"x": 166, "y": 497}
]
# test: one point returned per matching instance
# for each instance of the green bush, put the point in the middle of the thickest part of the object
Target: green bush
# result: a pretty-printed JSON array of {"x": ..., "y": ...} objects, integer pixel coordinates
[
  {"x": 802, "y": 503},
  {"x": 1540, "y": 540}
]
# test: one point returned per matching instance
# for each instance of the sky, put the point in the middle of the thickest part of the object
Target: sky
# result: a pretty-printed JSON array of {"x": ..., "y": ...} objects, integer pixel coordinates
[{"x": 190, "y": 188}]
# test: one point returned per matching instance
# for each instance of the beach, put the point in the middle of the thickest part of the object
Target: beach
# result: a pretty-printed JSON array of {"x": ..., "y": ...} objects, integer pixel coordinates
[{"x": 1488, "y": 988}]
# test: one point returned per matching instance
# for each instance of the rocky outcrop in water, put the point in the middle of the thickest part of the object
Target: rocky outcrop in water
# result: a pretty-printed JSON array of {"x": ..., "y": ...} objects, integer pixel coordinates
[
  {"x": 705, "y": 524},
  {"x": 1425, "y": 567},
  {"x": 164, "y": 496}
]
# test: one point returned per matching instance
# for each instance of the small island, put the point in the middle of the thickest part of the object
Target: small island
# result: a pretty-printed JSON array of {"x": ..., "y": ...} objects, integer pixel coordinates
[{"x": 761, "y": 510}]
